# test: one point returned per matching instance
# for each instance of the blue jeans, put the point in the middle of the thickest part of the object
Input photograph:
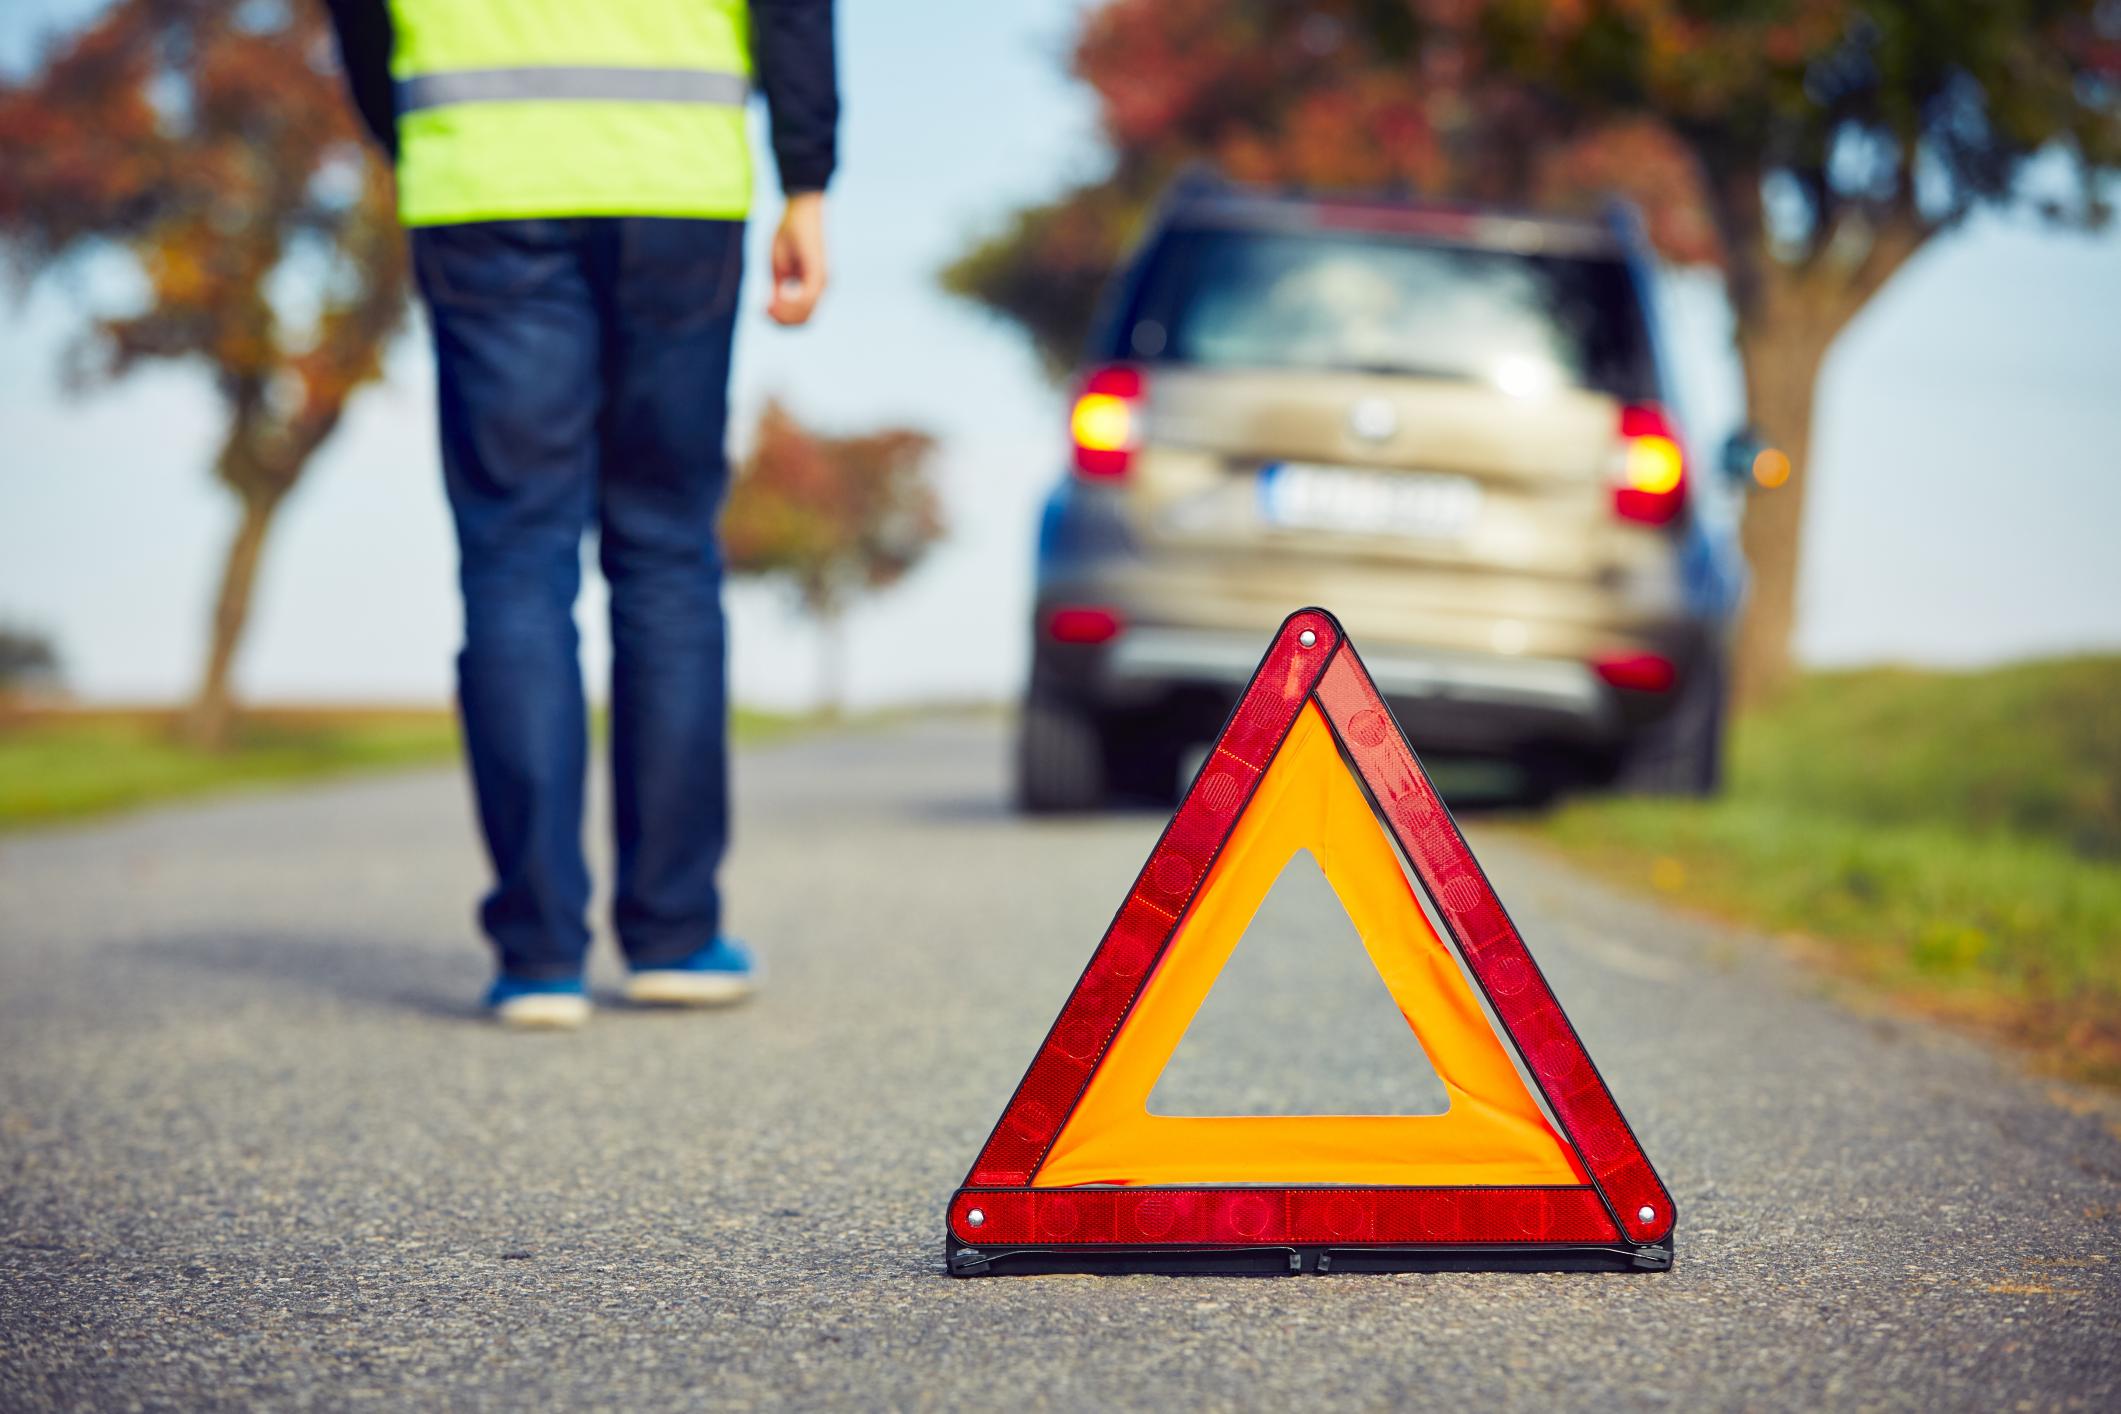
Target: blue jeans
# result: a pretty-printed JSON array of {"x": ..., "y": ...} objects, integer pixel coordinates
[{"x": 583, "y": 370}]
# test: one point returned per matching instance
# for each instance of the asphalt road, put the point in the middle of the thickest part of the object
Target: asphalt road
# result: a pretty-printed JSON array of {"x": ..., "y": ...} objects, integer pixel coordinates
[{"x": 257, "y": 1149}]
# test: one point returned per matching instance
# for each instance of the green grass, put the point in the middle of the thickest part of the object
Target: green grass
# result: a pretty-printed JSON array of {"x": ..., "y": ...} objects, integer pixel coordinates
[
  {"x": 60, "y": 765},
  {"x": 1953, "y": 837}
]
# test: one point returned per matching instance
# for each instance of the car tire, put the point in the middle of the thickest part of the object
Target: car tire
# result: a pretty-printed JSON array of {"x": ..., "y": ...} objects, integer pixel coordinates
[
  {"x": 1682, "y": 753},
  {"x": 1141, "y": 762},
  {"x": 1544, "y": 777},
  {"x": 1060, "y": 759}
]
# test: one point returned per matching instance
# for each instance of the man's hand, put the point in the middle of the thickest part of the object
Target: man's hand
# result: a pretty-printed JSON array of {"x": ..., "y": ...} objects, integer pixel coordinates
[{"x": 798, "y": 259}]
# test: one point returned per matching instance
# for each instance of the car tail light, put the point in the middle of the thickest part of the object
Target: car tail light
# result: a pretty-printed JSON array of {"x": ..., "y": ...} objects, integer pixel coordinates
[
  {"x": 1106, "y": 421},
  {"x": 1083, "y": 625},
  {"x": 1650, "y": 479},
  {"x": 1638, "y": 672}
]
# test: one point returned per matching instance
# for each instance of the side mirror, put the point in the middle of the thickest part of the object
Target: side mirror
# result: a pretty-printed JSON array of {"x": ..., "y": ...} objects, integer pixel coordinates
[{"x": 1751, "y": 464}]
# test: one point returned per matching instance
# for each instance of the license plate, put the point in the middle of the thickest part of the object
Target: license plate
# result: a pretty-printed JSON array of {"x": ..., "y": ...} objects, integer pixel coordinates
[{"x": 1417, "y": 504}]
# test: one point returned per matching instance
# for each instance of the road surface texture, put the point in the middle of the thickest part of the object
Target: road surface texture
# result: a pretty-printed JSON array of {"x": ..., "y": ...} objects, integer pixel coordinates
[{"x": 258, "y": 1150}]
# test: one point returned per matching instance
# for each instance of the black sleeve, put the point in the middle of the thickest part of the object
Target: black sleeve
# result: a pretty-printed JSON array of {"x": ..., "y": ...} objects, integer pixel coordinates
[
  {"x": 364, "y": 31},
  {"x": 791, "y": 49}
]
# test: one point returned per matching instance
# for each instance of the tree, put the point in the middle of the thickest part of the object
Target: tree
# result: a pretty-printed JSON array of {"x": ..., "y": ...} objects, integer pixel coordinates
[
  {"x": 208, "y": 144},
  {"x": 1807, "y": 147},
  {"x": 833, "y": 516},
  {"x": 27, "y": 660}
]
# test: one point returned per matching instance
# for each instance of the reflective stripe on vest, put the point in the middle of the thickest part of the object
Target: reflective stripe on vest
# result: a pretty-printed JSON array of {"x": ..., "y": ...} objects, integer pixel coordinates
[
  {"x": 577, "y": 82},
  {"x": 533, "y": 108}
]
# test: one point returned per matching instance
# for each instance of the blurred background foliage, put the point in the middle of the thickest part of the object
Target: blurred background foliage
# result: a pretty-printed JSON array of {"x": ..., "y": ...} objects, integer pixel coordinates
[
  {"x": 208, "y": 144},
  {"x": 833, "y": 517},
  {"x": 2032, "y": 748},
  {"x": 1953, "y": 836},
  {"x": 61, "y": 763},
  {"x": 29, "y": 661}
]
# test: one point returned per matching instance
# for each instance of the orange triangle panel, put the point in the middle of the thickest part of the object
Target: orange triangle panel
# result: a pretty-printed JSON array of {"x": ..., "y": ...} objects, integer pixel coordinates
[{"x": 1531, "y": 1164}]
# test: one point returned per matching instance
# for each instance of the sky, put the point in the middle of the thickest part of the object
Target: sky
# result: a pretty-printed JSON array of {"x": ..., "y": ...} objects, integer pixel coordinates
[{"x": 1965, "y": 504}]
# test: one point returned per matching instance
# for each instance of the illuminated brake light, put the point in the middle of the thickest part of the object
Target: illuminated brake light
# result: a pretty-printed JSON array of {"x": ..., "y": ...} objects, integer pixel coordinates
[
  {"x": 1651, "y": 475},
  {"x": 1083, "y": 625},
  {"x": 1638, "y": 672},
  {"x": 1106, "y": 421}
]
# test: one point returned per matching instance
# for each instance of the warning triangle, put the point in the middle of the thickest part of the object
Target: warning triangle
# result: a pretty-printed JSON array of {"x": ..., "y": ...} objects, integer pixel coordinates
[{"x": 1531, "y": 1164}]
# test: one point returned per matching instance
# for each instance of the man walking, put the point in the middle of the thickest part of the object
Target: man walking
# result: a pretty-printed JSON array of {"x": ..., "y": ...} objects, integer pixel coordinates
[{"x": 576, "y": 176}]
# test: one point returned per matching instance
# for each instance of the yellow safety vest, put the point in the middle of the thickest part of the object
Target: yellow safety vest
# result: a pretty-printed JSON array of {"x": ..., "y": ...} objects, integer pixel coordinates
[{"x": 521, "y": 108}]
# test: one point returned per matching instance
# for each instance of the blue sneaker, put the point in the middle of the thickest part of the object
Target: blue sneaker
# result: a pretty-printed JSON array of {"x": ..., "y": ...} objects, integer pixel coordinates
[
  {"x": 542, "y": 1004},
  {"x": 720, "y": 973}
]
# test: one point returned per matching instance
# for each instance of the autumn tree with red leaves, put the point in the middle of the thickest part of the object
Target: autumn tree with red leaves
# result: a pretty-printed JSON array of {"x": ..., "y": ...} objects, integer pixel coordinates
[
  {"x": 834, "y": 517},
  {"x": 208, "y": 144},
  {"x": 1808, "y": 148}
]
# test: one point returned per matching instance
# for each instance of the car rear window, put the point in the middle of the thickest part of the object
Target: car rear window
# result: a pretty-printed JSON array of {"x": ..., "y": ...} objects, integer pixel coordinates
[{"x": 1361, "y": 302}]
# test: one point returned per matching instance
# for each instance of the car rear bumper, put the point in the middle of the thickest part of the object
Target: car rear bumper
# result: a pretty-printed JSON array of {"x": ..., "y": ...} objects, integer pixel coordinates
[
  {"x": 1150, "y": 656},
  {"x": 1447, "y": 700}
]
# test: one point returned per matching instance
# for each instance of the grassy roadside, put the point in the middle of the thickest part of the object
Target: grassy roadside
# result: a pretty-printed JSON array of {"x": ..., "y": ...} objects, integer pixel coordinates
[
  {"x": 1952, "y": 838},
  {"x": 62, "y": 764}
]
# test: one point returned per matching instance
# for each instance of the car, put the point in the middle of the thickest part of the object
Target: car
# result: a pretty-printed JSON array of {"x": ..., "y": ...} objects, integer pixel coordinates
[{"x": 1452, "y": 426}]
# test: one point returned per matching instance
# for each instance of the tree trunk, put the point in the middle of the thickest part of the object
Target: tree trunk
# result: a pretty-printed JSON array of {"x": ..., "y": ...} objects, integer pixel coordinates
[
  {"x": 207, "y": 723},
  {"x": 1788, "y": 319},
  {"x": 832, "y": 664},
  {"x": 1782, "y": 362}
]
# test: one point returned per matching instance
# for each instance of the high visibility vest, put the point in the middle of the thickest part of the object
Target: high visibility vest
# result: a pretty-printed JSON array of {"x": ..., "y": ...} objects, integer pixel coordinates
[{"x": 522, "y": 108}]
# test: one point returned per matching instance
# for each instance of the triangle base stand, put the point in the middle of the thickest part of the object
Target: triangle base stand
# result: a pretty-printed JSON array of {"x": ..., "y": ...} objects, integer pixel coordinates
[{"x": 964, "y": 1261}]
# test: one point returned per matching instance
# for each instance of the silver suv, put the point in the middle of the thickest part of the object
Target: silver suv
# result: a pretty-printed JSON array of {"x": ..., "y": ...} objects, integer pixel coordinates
[{"x": 1449, "y": 426}]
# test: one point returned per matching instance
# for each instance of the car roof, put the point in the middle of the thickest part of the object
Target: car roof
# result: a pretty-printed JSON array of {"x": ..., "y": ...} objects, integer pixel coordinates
[{"x": 1197, "y": 201}]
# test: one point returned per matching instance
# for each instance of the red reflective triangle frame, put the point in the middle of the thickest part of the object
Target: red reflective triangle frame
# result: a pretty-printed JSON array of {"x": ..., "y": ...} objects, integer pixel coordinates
[{"x": 1624, "y": 1217}]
